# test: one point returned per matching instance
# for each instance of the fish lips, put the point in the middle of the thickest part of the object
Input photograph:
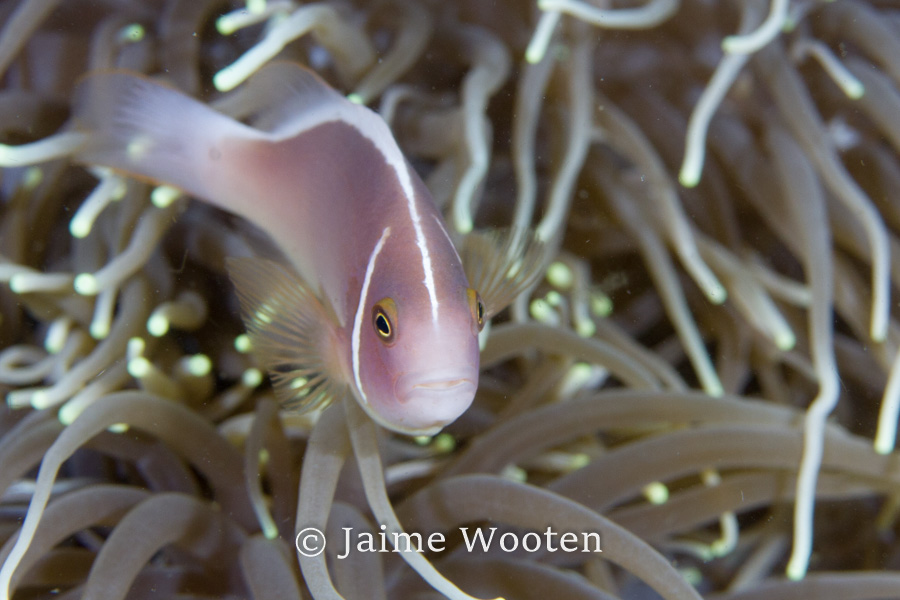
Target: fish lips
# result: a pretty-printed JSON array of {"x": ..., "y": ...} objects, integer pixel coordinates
[{"x": 438, "y": 395}]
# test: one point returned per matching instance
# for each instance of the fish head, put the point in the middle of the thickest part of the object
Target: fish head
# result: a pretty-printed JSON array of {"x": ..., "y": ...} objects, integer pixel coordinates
[{"x": 418, "y": 355}]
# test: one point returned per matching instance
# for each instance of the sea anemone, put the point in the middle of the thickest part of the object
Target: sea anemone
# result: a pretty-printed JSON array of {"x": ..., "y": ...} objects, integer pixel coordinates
[{"x": 699, "y": 398}]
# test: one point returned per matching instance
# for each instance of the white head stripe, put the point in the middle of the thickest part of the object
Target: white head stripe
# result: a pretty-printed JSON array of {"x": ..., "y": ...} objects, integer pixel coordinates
[{"x": 361, "y": 308}]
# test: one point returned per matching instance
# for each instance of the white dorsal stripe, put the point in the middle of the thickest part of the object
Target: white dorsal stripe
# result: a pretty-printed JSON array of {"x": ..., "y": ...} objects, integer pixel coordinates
[
  {"x": 369, "y": 125},
  {"x": 426, "y": 258},
  {"x": 374, "y": 129},
  {"x": 360, "y": 310},
  {"x": 447, "y": 236}
]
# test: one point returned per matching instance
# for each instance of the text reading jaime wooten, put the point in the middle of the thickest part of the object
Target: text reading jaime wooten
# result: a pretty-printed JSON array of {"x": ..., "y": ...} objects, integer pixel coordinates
[{"x": 311, "y": 541}]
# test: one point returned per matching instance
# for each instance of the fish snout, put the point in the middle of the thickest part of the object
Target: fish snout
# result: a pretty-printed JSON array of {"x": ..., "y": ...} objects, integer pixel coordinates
[{"x": 439, "y": 395}]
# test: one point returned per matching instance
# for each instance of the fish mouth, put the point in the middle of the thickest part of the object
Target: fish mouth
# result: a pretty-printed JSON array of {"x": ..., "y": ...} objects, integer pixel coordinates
[
  {"x": 425, "y": 401},
  {"x": 450, "y": 386},
  {"x": 441, "y": 385}
]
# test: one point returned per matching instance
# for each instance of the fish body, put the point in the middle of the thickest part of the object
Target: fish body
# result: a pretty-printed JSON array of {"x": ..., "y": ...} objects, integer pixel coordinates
[{"x": 375, "y": 297}]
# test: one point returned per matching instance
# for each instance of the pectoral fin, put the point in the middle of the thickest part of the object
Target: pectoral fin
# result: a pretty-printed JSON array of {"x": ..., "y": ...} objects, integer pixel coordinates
[
  {"x": 291, "y": 331},
  {"x": 500, "y": 264}
]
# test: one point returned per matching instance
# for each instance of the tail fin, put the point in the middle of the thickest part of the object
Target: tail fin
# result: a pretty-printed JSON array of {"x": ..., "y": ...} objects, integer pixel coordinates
[{"x": 156, "y": 132}]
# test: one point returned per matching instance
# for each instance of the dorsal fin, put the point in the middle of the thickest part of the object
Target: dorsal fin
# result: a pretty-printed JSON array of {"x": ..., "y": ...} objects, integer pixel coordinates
[{"x": 287, "y": 93}]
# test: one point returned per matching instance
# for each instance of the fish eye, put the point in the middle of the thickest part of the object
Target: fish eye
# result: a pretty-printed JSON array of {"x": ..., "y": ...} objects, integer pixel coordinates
[
  {"x": 476, "y": 305},
  {"x": 384, "y": 319},
  {"x": 382, "y": 325}
]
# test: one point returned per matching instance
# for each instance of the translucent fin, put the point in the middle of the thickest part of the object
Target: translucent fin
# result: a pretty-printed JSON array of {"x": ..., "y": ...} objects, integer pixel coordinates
[
  {"x": 286, "y": 94},
  {"x": 154, "y": 131},
  {"x": 500, "y": 264},
  {"x": 290, "y": 331}
]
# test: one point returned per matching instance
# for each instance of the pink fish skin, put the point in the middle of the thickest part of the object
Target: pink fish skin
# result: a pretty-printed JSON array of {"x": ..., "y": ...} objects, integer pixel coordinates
[{"x": 376, "y": 299}]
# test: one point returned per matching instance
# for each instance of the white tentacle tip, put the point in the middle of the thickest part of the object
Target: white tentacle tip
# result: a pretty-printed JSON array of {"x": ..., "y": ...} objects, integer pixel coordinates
[
  {"x": 785, "y": 340},
  {"x": 689, "y": 177},
  {"x": 854, "y": 89},
  {"x": 884, "y": 445},
  {"x": 716, "y": 293},
  {"x": 86, "y": 284},
  {"x": 796, "y": 569}
]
